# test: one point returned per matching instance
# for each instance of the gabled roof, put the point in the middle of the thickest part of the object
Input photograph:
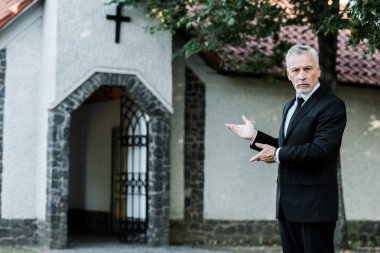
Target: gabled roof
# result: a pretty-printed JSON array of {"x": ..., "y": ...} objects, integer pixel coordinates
[
  {"x": 9, "y": 9},
  {"x": 352, "y": 65}
]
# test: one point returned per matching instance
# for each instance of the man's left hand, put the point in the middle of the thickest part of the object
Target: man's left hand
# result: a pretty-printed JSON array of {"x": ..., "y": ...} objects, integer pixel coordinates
[{"x": 265, "y": 155}]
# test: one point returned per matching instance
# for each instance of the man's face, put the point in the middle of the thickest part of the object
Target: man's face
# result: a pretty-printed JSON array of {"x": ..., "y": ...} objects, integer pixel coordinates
[{"x": 303, "y": 72}]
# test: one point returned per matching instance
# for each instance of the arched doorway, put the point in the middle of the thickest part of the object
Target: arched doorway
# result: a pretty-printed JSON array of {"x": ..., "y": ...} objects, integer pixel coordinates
[
  {"x": 158, "y": 159},
  {"x": 108, "y": 177}
]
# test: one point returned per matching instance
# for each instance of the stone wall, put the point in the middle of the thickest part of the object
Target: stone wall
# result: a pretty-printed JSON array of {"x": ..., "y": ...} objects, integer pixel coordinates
[
  {"x": 218, "y": 232},
  {"x": 246, "y": 233},
  {"x": 21, "y": 232},
  {"x": 363, "y": 233}
]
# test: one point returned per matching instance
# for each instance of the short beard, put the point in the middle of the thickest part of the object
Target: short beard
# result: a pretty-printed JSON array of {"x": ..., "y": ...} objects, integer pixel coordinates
[{"x": 302, "y": 91}]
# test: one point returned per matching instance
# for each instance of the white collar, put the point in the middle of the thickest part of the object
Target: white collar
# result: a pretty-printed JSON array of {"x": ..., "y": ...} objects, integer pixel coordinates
[{"x": 306, "y": 96}]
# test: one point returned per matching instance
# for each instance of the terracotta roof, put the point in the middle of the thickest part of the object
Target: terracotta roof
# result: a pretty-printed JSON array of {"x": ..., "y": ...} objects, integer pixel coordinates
[
  {"x": 10, "y": 9},
  {"x": 352, "y": 65}
]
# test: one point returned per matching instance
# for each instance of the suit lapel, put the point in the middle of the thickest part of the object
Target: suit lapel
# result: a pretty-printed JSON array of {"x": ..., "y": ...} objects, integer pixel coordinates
[
  {"x": 284, "y": 113},
  {"x": 304, "y": 109}
]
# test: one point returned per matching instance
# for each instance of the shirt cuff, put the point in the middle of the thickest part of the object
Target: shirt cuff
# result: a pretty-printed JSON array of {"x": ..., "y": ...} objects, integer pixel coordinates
[
  {"x": 253, "y": 138},
  {"x": 277, "y": 157}
]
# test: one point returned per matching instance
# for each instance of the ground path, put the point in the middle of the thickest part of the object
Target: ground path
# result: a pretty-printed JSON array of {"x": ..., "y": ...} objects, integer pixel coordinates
[{"x": 110, "y": 245}]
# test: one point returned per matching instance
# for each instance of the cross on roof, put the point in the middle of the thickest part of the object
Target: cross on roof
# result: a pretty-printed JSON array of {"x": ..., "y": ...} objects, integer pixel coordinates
[{"x": 118, "y": 18}]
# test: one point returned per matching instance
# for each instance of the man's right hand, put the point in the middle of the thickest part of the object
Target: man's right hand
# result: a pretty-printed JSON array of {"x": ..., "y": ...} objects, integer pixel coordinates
[{"x": 246, "y": 131}]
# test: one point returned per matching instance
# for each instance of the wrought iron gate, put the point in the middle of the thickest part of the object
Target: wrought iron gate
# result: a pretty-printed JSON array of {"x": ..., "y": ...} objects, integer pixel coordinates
[{"x": 130, "y": 173}]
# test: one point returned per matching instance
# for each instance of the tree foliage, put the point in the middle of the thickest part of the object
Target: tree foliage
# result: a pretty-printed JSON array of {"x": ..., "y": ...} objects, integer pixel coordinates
[
  {"x": 213, "y": 24},
  {"x": 362, "y": 17}
]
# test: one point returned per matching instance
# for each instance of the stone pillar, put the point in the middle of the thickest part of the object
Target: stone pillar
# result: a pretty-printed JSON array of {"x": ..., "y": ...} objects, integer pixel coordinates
[
  {"x": 195, "y": 106},
  {"x": 159, "y": 181},
  {"x": 57, "y": 179}
]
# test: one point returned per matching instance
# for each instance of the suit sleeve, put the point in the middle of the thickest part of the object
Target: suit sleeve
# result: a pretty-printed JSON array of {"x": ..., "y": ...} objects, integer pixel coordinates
[
  {"x": 325, "y": 142},
  {"x": 264, "y": 139}
]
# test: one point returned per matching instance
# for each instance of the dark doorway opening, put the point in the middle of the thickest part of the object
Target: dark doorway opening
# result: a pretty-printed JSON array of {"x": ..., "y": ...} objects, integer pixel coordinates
[{"x": 108, "y": 177}]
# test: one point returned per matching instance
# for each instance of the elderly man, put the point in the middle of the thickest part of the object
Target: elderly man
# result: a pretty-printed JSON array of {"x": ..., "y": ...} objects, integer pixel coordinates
[{"x": 306, "y": 151}]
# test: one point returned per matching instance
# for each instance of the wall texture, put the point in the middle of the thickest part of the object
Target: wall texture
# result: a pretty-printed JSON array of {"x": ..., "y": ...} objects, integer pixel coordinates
[
  {"x": 20, "y": 125},
  {"x": 360, "y": 153}
]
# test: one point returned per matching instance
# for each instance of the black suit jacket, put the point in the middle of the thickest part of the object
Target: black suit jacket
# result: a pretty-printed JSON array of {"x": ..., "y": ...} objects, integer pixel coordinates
[{"x": 307, "y": 187}]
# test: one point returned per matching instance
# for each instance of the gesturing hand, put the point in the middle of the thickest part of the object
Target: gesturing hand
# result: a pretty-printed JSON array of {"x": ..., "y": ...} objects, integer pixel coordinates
[
  {"x": 265, "y": 155},
  {"x": 246, "y": 131}
]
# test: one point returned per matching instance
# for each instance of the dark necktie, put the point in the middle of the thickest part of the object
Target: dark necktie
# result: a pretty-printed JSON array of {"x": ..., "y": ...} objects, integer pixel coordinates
[{"x": 300, "y": 101}]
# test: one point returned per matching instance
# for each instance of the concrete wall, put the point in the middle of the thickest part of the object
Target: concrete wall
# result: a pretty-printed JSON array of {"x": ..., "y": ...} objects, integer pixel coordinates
[
  {"x": 249, "y": 188},
  {"x": 20, "y": 125},
  {"x": 90, "y": 155},
  {"x": 360, "y": 153}
]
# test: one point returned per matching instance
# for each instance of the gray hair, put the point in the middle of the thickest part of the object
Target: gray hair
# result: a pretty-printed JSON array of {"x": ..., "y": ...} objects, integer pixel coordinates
[{"x": 299, "y": 49}]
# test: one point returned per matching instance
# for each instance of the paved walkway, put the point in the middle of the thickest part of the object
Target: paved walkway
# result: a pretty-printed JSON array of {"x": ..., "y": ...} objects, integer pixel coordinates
[{"x": 110, "y": 245}]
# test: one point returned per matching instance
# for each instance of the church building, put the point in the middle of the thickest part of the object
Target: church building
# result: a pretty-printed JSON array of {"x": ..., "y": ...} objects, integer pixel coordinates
[
  {"x": 80, "y": 102},
  {"x": 103, "y": 132}
]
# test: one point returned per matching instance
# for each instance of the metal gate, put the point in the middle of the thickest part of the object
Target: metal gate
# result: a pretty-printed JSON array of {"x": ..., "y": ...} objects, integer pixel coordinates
[{"x": 130, "y": 173}]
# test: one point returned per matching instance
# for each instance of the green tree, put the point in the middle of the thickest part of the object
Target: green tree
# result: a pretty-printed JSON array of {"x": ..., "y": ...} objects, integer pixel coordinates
[
  {"x": 213, "y": 24},
  {"x": 362, "y": 17}
]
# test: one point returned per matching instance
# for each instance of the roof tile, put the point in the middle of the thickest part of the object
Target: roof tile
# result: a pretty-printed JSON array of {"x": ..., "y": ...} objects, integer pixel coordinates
[
  {"x": 352, "y": 65},
  {"x": 10, "y": 9}
]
